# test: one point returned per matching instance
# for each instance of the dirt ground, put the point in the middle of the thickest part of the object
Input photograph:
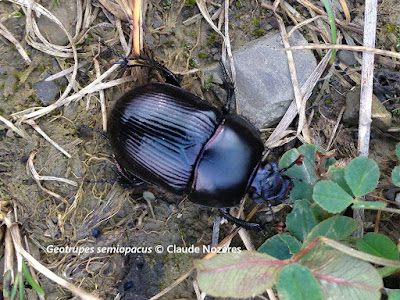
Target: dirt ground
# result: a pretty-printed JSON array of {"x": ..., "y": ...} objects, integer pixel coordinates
[{"x": 95, "y": 215}]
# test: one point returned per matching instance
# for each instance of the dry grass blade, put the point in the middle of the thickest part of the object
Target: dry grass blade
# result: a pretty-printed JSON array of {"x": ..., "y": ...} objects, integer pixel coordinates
[
  {"x": 95, "y": 86},
  {"x": 291, "y": 112},
  {"x": 301, "y": 107},
  {"x": 227, "y": 45},
  {"x": 16, "y": 238},
  {"x": 339, "y": 118},
  {"x": 8, "y": 254},
  {"x": 345, "y": 11},
  {"x": 10, "y": 125},
  {"x": 38, "y": 178},
  {"x": 64, "y": 72},
  {"x": 102, "y": 97},
  {"x": 8, "y": 35},
  {"x": 42, "y": 178},
  {"x": 115, "y": 9},
  {"x": 43, "y": 134}
]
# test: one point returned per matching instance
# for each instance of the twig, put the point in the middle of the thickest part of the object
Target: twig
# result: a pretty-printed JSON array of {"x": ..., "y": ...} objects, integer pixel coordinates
[
  {"x": 364, "y": 49},
  {"x": 136, "y": 16},
  {"x": 367, "y": 73}
]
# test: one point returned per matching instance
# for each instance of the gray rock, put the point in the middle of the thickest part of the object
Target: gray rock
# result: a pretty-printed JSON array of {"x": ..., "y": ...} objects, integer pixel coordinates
[
  {"x": 65, "y": 12},
  {"x": 381, "y": 118},
  {"x": 347, "y": 57},
  {"x": 46, "y": 90},
  {"x": 264, "y": 87}
]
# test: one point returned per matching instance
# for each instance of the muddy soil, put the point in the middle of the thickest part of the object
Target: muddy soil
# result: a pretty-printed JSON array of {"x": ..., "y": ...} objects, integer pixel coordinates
[{"x": 106, "y": 220}]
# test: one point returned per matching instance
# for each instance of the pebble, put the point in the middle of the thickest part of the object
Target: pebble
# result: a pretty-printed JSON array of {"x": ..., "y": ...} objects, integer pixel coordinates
[{"x": 264, "y": 87}]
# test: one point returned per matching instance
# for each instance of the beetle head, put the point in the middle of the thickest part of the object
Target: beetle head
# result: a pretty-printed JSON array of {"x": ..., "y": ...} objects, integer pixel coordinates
[{"x": 270, "y": 184}]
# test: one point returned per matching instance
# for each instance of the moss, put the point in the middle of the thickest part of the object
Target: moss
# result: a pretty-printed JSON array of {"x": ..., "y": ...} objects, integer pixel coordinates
[
  {"x": 390, "y": 28},
  {"x": 41, "y": 68},
  {"x": 167, "y": 5},
  {"x": 203, "y": 55},
  {"x": 18, "y": 14},
  {"x": 193, "y": 62},
  {"x": 255, "y": 21},
  {"x": 207, "y": 85},
  {"x": 211, "y": 38},
  {"x": 259, "y": 32}
]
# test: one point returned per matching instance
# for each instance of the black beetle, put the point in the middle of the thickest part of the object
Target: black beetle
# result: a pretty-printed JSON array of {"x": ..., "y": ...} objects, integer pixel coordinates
[{"x": 167, "y": 136}]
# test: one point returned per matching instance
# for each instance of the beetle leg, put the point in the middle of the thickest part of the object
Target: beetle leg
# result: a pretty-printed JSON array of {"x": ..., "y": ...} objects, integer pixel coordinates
[
  {"x": 125, "y": 179},
  {"x": 92, "y": 129},
  {"x": 229, "y": 87},
  {"x": 238, "y": 222},
  {"x": 170, "y": 77}
]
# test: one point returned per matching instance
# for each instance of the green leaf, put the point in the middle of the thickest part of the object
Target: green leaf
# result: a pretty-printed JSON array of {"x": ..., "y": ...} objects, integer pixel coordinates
[
  {"x": 337, "y": 175},
  {"x": 398, "y": 150},
  {"x": 239, "y": 275},
  {"x": 298, "y": 283},
  {"x": 300, "y": 221},
  {"x": 387, "y": 271},
  {"x": 362, "y": 175},
  {"x": 394, "y": 295},
  {"x": 331, "y": 197},
  {"x": 281, "y": 246},
  {"x": 369, "y": 204},
  {"x": 336, "y": 228},
  {"x": 344, "y": 277},
  {"x": 30, "y": 279},
  {"x": 378, "y": 245},
  {"x": 319, "y": 213},
  {"x": 305, "y": 172},
  {"x": 396, "y": 175}
]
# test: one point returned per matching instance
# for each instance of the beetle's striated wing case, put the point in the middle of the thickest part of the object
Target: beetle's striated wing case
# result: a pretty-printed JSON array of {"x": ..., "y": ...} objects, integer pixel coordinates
[{"x": 157, "y": 132}]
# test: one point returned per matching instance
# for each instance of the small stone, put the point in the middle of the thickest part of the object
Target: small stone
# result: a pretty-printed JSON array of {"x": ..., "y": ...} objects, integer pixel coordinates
[
  {"x": 9, "y": 84},
  {"x": 264, "y": 87},
  {"x": 381, "y": 118},
  {"x": 65, "y": 12},
  {"x": 149, "y": 39},
  {"x": 46, "y": 90},
  {"x": 156, "y": 23},
  {"x": 347, "y": 57}
]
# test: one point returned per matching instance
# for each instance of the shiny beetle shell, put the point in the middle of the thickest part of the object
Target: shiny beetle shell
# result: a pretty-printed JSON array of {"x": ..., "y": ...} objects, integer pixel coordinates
[{"x": 165, "y": 135}]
